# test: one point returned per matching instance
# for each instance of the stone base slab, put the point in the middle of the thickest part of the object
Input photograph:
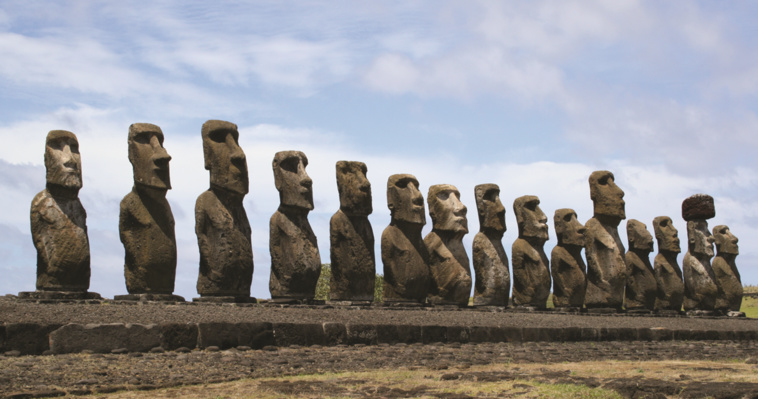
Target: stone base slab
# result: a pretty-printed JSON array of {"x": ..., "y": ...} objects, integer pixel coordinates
[
  {"x": 149, "y": 298},
  {"x": 603, "y": 310},
  {"x": 225, "y": 299},
  {"x": 58, "y": 295}
]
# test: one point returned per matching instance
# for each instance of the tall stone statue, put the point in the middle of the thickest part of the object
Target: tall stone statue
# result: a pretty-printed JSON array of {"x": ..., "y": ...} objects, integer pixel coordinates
[
  {"x": 641, "y": 287},
  {"x": 221, "y": 224},
  {"x": 566, "y": 263},
  {"x": 531, "y": 270},
  {"x": 146, "y": 224},
  {"x": 606, "y": 269},
  {"x": 668, "y": 275},
  {"x": 59, "y": 224},
  {"x": 351, "y": 236},
  {"x": 725, "y": 269},
  {"x": 700, "y": 288},
  {"x": 493, "y": 281},
  {"x": 448, "y": 261},
  {"x": 295, "y": 260},
  {"x": 404, "y": 254}
]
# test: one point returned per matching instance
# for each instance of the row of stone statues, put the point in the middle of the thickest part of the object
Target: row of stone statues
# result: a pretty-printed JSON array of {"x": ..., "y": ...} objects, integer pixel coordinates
[{"x": 435, "y": 269}]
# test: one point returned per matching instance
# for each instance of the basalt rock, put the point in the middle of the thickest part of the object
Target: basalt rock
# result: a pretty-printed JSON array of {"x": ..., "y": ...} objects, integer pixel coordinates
[
  {"x": 493, "y": 281},
  {"x": 725, "y": 269},
  {"x": 567, "y": 265},
  {"x": 700, "y": 288},
  {"x": 641, "y": 286},
  {"x": 668, "y": 275},
  {"x": 531, "y": 270}
]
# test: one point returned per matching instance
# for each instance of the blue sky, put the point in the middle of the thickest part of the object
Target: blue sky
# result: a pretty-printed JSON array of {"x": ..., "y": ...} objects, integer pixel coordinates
[{"x": 530, "y": 95}]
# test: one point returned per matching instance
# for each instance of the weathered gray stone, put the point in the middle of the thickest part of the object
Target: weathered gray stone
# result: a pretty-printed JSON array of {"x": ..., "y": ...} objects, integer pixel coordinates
[
  {"x": 404, "y": 254},
  {"x": 174, "y": 336},
  {"x": 700, "y": 289},
  {"x": 448, "y": 261},
  {"x": 567, "y": 266},
  {"x": 28, "y": 338},
  {"x": 146, "y": 224},
  {"x": 103, "y": 338},
  {"x": 230, "y": 335},
  {"x": 606, "y": 268},
  {"x": 725, "y": 269},
  {"x": 641, "y": 286},
  {"x": 221, "y": 224},
  {"x": 295, "y": 260},
  {"x": 668, "y": 275},
  {"x": 493, "y": 280},
  {"x": 531, "y": 269},
  {"x": 351, "y": 236}
]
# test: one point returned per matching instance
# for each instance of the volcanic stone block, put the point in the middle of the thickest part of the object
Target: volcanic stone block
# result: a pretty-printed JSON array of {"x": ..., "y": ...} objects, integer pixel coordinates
[
  {"x": 362, "y": 334},
  {"x": 700, "y": 288},
  {"x": 531, "y": 270},
  {"x": 641, "y": 286},
  {"x": 493, "y": 280},
  {"x": 303, "y": 334},
  {"x": 725, "y": 269},
  {"x": 28, "y": 338},
  {"x": 103, "y": 338},
  {"x": 567, "y": 266},
  {"x": 229, "y": 335},
  {"x": 335, "y": 334},
  {"x": 460, "y": 334},
  {"x": 448, "y": 261},
  {"x": 668, "y": 275},
  {"x": 430, "y": 334},
  {"x": 698, "y": 206},
  {"x": 351, "y": 237},
  {"x": 175, "y": 336},
  {"x": 295, "y": 260},
  {"x": 398, "y": 333}
]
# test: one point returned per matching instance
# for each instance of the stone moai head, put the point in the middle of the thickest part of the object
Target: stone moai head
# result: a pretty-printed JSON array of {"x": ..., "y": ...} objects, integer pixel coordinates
[
  {"x": 638, "y": 236},
  {"x": 62, "y": 160},
  {"x": 224, "y": 157},
  {"x": 446, "y": 209},
  {"x": 491, "y": 210},
  {"x": 607, "y": 197},
  {"x": 293, "y": 183},
  {"x": 666, "y": 234},
  {"x": 148, "y": 157},
  {"x": 405, "y": 201},
  {"x": 568, "y": 229},
  {"x": 354, "y": 188},
  {"x": 726, "y": 242},
  {"x": 696, "y": 210},
  {"x": 532, "y": 222}
]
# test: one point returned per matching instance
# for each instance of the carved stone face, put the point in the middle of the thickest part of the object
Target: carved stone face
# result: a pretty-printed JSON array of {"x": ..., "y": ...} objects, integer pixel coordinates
[
  {"x": 726, "y": 242},
  {"x": 700, "y": 239},
  {"x": 405, "y": 201},
  {"x": 532, "y": 222},
  {"x": 354, "y": 188},
  {"x": 568, "y": 228},
  {"x": 294, "y": 185},
  {"x": 224, "y": 157},
  {"x": 607, "y": 197},
  {"x": 148, "y": 157},
  {"x": 639, "y": 237},
  {"x": 62, "y": 159},
  {"x": 491, "y": 210},
  {"x": 666, "y": 234},
  {"x": 446, "y": 209}
]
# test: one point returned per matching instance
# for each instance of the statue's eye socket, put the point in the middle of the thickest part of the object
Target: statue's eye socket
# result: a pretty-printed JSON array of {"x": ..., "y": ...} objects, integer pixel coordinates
[
  {"x": 218, "y": 136},
  {"x": 74, "y": 147},
  {"x": 289, "y": 164},
  {"x": 490, "y": 195},
  {"x": 142, "y": 138},
  {"x": 531, "y": 205},
  {"x": 567, "y": 218}
]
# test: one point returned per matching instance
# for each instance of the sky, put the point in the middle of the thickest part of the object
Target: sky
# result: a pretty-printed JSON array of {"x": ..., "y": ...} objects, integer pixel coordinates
[{"x": 530, "y": 95}]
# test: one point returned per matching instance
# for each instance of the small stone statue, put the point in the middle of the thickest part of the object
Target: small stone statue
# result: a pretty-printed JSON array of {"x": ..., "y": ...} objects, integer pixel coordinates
[
  {"x": 493, "y": 281},
  {"x": 641, "y": 287},
  {"x": 725, "y": 269},
  {"x": 531, "y": 270},
  {"x": 668, "y": 275},
  {"x": 221, "y": 224},
  {"x": 606, "y": 268},
  {"x": 59, "y": 225},
  {"x": 146, "y": 224},
  {"x": 448, "y": 261},
  {"x": 700, "y": 288},
  {"x": 404, "y": 254},
  {"x": 351, "y": 237},
  {"x": 295, "y": 260},
  {"x": 567, "y": 265}
]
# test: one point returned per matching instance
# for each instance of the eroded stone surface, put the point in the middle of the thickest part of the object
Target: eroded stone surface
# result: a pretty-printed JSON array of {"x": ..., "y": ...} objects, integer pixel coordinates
[
  {"x": 700, "y": 289},
  {"x": 531, "y": 272},
  {"x": 295, "y": 259},
  {"x": 725, "y": 269},
  {"x": 448, "y": 261},
  {"x": 567, "y": 265},
  {"x": 668, "y": 275},
  {"x": 493, "y": 280},
  {"x": 641, "y": 287},
  {"x": 351, "y": 237}
]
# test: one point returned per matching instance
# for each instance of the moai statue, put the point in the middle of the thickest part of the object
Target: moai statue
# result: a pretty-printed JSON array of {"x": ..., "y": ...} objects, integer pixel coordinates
[
  {"x": 668, "y": 275},
  {"x": 146, "y": 224},
  {"x": 725, "y": 270},
  {"x": 493, "y": 281},
  {"x": 295, "y": 260},
  {"x": 221, "y": 224},
  {"x": 531, "y": 270},
  {"x": 606, "y": 269},
  {"x": 566, "y": 263},
  {"x": 448, "y": 261},
  {"x": 700, "y": 288},
  {"x": 641, "y": 287},
  {"x": 351, "y": 237},
  {"x": 404, "y": 254},
  {"x": 59, "y": 225}
]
